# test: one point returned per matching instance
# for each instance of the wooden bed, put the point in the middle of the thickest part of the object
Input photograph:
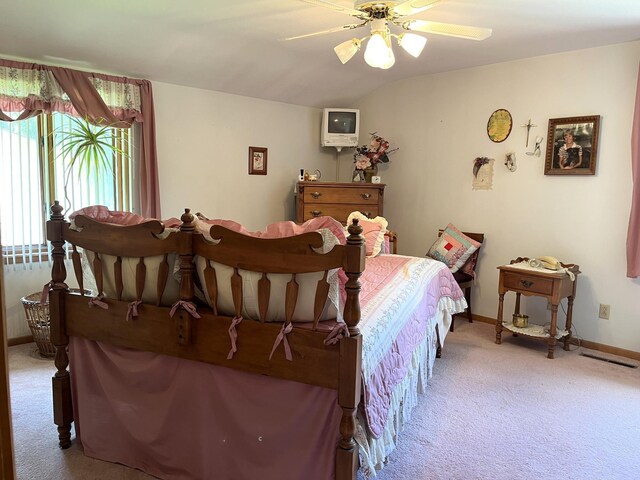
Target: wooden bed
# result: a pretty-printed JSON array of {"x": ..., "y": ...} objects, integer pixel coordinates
[{"x": 190, "y": 330}]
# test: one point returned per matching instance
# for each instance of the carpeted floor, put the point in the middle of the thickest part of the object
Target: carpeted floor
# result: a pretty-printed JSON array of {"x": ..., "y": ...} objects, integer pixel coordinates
[{"x": 500, "y": 412}]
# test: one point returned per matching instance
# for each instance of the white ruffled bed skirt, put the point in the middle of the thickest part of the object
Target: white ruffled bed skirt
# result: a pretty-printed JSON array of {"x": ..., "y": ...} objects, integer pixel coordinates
[{"x": 374, "y": 452}]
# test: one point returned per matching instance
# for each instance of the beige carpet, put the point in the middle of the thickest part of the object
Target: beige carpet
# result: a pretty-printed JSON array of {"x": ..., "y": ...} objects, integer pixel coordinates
[{"x": 502, "y": 412}]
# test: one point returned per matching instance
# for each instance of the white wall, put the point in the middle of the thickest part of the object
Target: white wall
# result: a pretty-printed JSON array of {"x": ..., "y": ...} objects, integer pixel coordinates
[
  {"x": 20, "y": 282},
  {"x": 203, "y": 140},
  {"x": 439, "y": 123}
]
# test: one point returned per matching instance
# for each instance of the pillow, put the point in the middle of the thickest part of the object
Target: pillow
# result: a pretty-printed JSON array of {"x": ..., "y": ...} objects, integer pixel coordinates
[
  {"x": 100, "y": 213},
  {"x": 373, "y": 230},
  {"x": 453, "y": 248},
  {"x": 278, "y": 229}
]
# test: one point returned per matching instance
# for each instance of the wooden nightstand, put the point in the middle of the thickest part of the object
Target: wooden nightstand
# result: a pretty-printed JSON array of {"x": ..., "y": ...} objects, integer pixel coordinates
[
  {"x": 338, "y": 200},
  {"x": 552, "y": 285}
]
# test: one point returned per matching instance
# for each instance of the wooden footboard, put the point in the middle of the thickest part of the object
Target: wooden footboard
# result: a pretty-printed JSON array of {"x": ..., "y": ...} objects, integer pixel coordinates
[{"x": 185, "y": 328}]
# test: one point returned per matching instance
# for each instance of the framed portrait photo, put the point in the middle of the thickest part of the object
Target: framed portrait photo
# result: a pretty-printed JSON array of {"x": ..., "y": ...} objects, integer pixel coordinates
[
  {"x": 257, "y": 161},
  {"x": 572, "y": 146}
]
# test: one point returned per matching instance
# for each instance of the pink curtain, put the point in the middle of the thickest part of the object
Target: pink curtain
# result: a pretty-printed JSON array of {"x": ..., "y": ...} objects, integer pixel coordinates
[
  {"x": 71, "y": 91},
  {"x": 633, "y": 234}
]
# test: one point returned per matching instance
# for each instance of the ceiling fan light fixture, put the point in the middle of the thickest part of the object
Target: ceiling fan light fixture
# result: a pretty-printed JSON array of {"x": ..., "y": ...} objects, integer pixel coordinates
[
  {"x": 412, "y": 43},
  {"x": 346, "y": 50},
  {"x": 378, "y": 53},
  {"x": 392, "y": 58}
]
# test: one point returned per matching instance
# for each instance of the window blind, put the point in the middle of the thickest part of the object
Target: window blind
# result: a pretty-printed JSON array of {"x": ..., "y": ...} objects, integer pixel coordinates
[{"x": 33, "y": 174}]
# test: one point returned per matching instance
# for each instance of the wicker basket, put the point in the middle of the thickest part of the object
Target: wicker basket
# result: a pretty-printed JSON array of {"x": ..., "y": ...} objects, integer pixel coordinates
[{"x": 38, "y": 320}]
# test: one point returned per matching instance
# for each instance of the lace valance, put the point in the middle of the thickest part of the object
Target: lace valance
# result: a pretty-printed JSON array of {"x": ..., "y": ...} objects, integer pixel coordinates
[
  {"x": 30, "y": 88},
  {"x": 36, "y": 87}
]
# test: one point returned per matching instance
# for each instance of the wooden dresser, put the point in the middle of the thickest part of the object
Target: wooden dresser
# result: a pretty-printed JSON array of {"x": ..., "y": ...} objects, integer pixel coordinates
[{"x": 338, "y": 200}]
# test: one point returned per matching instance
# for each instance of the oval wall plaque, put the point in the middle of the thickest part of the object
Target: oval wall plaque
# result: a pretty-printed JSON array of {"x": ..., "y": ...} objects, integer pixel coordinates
[{"x": 499, "y": 125}]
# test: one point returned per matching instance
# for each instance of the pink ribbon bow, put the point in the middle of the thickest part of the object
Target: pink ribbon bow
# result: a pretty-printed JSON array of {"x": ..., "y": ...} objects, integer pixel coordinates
[
  {"x": 97, "y": 301},
  {"x": 132, "y": 311},
  {"x": 190, "y": 307},
  {"x": 340, "y": 330},
  {"x": 233, "y": 335},
  {"x": 282, "y": 337},
  {"x": 45, "y": 293}
]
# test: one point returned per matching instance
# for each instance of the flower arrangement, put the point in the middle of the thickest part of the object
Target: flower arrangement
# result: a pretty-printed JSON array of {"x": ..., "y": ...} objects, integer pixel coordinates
[
  {"x": 377, "y": 151},
  {"x": 478, "y": 163}
]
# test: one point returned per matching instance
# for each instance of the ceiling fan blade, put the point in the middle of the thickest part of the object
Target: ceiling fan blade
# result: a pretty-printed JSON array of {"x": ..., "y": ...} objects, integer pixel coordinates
[
  {"x": 331, "y": 30},
  {"x": 449, "y": 29},
  {"x": 411, "y": 7},
  {"x": 338, "y": 8}
]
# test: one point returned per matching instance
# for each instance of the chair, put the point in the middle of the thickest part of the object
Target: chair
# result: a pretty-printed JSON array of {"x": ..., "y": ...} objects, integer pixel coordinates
[{"x": 465, "y": 281}]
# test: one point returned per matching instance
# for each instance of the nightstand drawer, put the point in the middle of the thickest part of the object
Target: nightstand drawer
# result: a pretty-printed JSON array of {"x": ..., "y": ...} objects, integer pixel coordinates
[
  {"x": 362, "y": 195},
  {"x": 338, "y": 211},
  {"x": 528, "y": 283}
]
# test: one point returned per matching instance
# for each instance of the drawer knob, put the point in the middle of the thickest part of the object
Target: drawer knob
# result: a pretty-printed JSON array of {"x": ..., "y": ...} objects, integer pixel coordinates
[
  {"x": 316, "y": 213},
  {"x": 526, "y": 283},
  {"x": 366, "y": 196},
  {"x": 316, "y": 195}
]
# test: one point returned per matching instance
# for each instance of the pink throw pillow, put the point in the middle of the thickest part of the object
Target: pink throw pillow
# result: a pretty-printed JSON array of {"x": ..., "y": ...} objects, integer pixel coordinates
[
  {"x": 373, "y": 230},
  {"x": 279, "y": 229},
  {"x": 100, "y": 213}
]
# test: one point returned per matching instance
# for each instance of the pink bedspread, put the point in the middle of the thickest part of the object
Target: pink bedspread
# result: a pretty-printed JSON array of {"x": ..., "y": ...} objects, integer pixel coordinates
[
  {"x": 380, "y": 380},
  {"x": 179, "y": 419}
]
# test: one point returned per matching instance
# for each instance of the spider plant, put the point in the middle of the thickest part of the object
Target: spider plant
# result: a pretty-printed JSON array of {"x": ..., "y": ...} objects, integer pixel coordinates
[{"x": 89, "y": 147}]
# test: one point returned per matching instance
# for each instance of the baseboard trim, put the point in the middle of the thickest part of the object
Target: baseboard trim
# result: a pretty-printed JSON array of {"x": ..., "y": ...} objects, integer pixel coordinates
[
  {"x": 19, "y": 340},
  {"x": 600, "y": 347}
]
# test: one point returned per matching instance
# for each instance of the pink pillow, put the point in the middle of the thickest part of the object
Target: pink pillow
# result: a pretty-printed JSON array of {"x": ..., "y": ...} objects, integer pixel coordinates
[
  {"x": 100, "y": 213},
  {"x": 279, "y": 229},
  {"x": 373, "y": 230}
]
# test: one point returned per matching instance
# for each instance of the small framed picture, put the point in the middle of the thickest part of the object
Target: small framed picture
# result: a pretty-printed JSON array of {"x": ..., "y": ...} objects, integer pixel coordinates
[
  {"x": 572, "y": 146},
  {"x": 376, "y": 179},
  {"x": 257, "y": 161}
]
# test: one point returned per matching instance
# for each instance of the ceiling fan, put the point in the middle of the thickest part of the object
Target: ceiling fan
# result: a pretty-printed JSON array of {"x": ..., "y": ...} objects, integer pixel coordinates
[{"x": 382, "y": 14}]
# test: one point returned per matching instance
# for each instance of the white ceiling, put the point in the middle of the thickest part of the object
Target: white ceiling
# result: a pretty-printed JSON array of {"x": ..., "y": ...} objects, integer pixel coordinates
[{"x": 235, "y": 46}]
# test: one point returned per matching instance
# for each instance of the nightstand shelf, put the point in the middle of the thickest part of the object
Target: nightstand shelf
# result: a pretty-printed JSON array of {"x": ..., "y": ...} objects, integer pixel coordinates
[{"x": 537, "y": 331}]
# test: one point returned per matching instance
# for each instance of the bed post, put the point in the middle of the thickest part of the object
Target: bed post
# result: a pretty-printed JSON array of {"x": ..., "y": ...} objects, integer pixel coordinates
[
  {"x": 61, "y": 382},
  {"x": 350, "y": 383},
  {"x": 186, "y": 275}
]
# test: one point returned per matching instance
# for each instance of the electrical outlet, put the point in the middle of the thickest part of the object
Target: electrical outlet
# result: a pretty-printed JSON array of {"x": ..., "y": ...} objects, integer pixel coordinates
[{"x": 604, "y": 311}]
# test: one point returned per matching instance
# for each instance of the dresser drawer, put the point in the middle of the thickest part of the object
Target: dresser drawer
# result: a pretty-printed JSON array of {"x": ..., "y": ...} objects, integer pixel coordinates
[
  {"x": 338, "y": 211},
  {"x": 528, "y": 283},
  {"x": 360, "y": 195}
]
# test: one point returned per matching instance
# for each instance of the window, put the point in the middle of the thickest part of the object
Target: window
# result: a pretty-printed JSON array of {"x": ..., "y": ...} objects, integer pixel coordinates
[{"x": 34, "y": 173}]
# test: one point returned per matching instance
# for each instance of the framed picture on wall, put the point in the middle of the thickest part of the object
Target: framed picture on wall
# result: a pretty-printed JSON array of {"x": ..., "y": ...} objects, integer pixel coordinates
[
  {"x": 572, "y": 146},
  {"x": 257, "y": 161}
]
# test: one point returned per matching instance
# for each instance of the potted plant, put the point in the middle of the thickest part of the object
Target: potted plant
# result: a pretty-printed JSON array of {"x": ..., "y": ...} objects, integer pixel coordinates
[{"x": 88, "y": 146}]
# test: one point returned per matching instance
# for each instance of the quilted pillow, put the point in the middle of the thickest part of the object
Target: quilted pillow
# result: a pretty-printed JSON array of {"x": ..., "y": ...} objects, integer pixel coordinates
[
  {"x": 453, "y": 248},
  {"x": 373, "y": 230}
]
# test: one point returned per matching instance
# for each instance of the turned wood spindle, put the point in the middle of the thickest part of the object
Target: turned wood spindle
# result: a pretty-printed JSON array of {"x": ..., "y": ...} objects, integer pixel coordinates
[{"x": 61, "y": 382}]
